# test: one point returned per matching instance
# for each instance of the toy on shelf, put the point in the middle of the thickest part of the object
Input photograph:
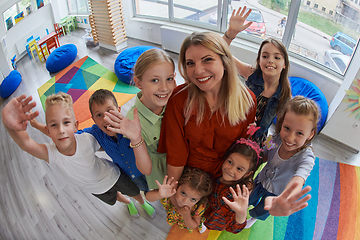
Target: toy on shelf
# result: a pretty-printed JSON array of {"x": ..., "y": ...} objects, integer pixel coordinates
[
  {"x": 19, "y": 17},
  {"x": 13, "y": 63}
]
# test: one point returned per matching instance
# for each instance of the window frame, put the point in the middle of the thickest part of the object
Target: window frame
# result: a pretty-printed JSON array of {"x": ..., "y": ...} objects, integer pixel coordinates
[{"x": 221, "y": 26}]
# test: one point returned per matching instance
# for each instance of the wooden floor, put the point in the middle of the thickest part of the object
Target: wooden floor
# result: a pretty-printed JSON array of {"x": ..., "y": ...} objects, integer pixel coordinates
[{"x": 37, "y": 203}]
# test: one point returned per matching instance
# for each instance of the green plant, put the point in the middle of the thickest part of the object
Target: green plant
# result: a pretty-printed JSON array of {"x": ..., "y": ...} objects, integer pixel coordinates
[{"x": 279, "y": 5}]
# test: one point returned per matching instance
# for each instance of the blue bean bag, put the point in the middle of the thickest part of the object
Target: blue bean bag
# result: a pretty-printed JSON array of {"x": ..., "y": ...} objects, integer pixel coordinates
[
  {"x": 10, "y": 84},
  {"x": 303, "y": 87},
  {"x": 126, "y": 60},
  {"x": 61, "y": 57}
]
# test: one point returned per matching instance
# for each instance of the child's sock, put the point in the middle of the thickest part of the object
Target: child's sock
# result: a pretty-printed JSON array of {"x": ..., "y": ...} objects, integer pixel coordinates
[
  {"x": 132, "y": 210},
  {"x": 149, "y": 209},
  {"x": 250, "y": 222}
]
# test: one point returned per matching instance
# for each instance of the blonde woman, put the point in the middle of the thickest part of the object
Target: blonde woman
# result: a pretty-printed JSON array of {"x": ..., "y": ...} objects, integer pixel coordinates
[{"x": 209, "y": 112}]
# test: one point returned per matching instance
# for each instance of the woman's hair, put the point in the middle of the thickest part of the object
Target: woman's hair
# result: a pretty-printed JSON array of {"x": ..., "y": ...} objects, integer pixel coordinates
[
  {"x": 255, "y": 158},
  {"x": 285, "y": 94},
  {"x": 197, "y": 180},
  {"x": 100, "y": 96},
  {"x": 303, "y": 106},
  {"x": 60, "y": 98},
  {"x": 234, "y": 100},
  {"x": 150, "y": 58}
]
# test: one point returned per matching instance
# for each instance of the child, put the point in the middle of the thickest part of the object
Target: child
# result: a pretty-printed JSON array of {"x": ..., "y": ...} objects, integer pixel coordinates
[
  {"x": 185, "y": 205},
  {"x": 242, "y": 159},
  {"x": 73, "y": 154},
  {"x": 281, "y": 26},
  {"x": 290, "y": 158},
  {"x": 154, "y": 74},
  {"x": 117, "y": 147},
  {"x": 269, "y": 80}
]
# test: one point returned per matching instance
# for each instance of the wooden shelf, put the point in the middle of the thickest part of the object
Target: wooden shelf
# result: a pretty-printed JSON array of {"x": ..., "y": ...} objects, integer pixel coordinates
[{"x": 107, "y": 21}]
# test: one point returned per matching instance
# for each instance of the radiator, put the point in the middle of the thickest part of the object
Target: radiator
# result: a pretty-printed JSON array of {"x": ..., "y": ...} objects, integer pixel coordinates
[{"x": 172, "y": 38}]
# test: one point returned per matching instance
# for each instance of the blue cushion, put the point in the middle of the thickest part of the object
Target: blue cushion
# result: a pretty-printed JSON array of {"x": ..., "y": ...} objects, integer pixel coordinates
[
  {"x": 10, "y": 84},
  {"x": 61, "y": 57},
  {"x": 303, "y": 87},
  {"x": 126, "y": 60}
]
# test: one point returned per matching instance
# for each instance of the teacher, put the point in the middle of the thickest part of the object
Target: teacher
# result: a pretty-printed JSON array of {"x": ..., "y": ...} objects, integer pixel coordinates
[{"x": 209, "y": 112}]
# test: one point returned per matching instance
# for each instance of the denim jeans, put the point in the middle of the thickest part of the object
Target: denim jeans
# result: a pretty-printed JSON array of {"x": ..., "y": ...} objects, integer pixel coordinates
[{"x": 257, "y": 199}]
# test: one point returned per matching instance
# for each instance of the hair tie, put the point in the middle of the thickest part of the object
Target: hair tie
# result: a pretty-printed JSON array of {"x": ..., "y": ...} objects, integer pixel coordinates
[{"x": 253, "y": 145}]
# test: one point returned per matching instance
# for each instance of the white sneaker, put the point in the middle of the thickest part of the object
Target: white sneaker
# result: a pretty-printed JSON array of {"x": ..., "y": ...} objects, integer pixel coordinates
[
  {"x": 203, "y": 228},
  {"x": 250, "y": 222}
]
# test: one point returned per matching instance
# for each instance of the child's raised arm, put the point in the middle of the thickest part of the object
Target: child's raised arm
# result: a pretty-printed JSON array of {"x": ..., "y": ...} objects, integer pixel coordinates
[
  {"x": 39, "y": 126},
  {"x": 288, "y": 202},
  {"x": 165, "y": 190},
  {"x": 132, "y": 130},
  {"x": 240, "y": 203},
  {"x": 15, "y": 116},
  {"x": 236, "y": 25}
]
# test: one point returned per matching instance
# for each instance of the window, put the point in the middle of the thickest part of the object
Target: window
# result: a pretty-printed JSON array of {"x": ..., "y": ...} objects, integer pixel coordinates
[
  {"x": 296, "y": 31},
  {"x": 78, "y": 7},
  {"x": 157, "y": 9},
  {"x": 203, "y": 12},
  {"x": 9, "y": 16}
]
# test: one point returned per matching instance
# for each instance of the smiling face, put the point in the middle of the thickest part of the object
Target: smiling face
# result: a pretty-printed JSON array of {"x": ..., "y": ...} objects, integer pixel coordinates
[
  {"x": 98, "y": 115},
  {"x": 295, "y": 131},
  {"x": 271, "y": 61},
  {"x": 156, "y": 84},
  {"x": 235, "y": 167},
  {"x": 61, "y": 126},
  {"x": 186, "y": 196},
  {"x": 204, "y": 68}
]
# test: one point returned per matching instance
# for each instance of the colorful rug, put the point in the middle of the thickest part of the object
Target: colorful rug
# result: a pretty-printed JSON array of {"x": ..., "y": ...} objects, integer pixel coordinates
[
  {"x": 80, "y": 80},
  {"x": 333, "y": 211}
]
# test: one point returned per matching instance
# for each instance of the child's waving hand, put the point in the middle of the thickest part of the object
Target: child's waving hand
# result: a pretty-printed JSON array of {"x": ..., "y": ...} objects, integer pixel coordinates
[
  {"x": 288, "y": 202},
  {"x": 236, "y": 22},
  {"x": 240, "y": 203},
  {"x": 167, "y": 189},
  {"x": 16, "y": 113},
  {"x": 120, "y": 124}
]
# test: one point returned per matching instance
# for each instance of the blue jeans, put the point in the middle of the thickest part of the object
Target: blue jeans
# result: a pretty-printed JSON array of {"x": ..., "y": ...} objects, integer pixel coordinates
[
  {"x": 257, "y": 199},
  {"x": 141, "y": 183}
]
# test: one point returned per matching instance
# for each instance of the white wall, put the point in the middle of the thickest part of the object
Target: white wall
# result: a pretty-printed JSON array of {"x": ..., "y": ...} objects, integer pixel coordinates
[
  {"x": 341, "y": 126},
  {"x": 60, "y": 9}
]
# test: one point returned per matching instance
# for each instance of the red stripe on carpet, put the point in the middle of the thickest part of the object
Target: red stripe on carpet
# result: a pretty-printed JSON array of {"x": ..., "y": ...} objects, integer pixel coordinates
[{"x": 348, "y": 204}]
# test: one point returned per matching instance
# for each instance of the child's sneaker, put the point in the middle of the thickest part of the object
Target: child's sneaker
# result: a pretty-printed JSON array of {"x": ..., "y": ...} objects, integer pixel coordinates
[
  {"x": 132, "y": 210},
  {"x": 203, "y": 228},
  {"x": 149, "y": 209},
  {"x": 250, "y": 222}
]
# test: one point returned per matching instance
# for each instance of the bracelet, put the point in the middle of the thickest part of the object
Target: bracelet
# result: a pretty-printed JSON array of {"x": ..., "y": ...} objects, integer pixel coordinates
[
  {"x": 228, "y": 36},
  {"x": 138, "y": 144}
]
